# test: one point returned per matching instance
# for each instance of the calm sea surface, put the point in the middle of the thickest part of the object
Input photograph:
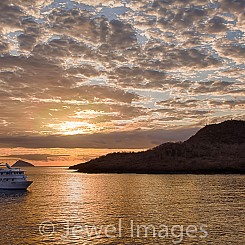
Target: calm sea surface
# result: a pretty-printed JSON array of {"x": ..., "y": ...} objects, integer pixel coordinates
[{"x": 65, "y": 207}]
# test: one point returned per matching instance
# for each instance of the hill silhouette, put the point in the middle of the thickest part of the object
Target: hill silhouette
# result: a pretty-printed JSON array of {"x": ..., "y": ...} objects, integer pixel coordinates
[
  {"x": 228, "y": 132},
  {"x": 216, "y": 148},
  {"x": 20, "y": 164}
]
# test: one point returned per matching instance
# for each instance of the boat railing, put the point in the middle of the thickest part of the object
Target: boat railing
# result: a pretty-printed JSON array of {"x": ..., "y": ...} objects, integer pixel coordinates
[{"x": 6, "y": 165}]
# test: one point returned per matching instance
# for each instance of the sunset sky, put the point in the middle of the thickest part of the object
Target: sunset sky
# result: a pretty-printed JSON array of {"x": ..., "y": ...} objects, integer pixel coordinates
[{"x": 82, "y": 78}]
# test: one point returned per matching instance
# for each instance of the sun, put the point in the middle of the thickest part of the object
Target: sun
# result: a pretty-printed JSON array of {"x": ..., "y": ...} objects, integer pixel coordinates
[{"x": 73, "y": 127}]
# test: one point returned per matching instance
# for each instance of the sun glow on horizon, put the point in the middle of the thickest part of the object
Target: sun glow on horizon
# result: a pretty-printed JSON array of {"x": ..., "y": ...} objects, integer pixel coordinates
[{"x": 55, "y": 156}]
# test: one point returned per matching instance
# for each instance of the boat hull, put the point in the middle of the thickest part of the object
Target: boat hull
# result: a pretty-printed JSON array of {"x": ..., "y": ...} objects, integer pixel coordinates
[{"x": 15, "y": 185}]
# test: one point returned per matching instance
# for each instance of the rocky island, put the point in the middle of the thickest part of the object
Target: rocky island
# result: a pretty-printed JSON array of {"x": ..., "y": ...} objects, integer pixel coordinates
[
  {"x": 21, "y": 164},
  {"x": 216, "y": 148}
]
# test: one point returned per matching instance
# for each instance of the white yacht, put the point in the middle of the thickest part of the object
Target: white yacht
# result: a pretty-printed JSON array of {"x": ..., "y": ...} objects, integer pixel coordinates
[{"x": 13, "y": 178}]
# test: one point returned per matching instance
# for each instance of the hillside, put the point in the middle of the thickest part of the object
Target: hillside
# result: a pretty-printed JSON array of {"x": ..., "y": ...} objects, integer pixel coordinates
[
  {"x": 216, "y": 148},
  {"x": 20, "y": 164}
]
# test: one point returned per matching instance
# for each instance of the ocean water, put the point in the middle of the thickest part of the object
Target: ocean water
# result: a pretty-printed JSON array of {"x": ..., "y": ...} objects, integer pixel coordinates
[{"x": 65, "y": 207}]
